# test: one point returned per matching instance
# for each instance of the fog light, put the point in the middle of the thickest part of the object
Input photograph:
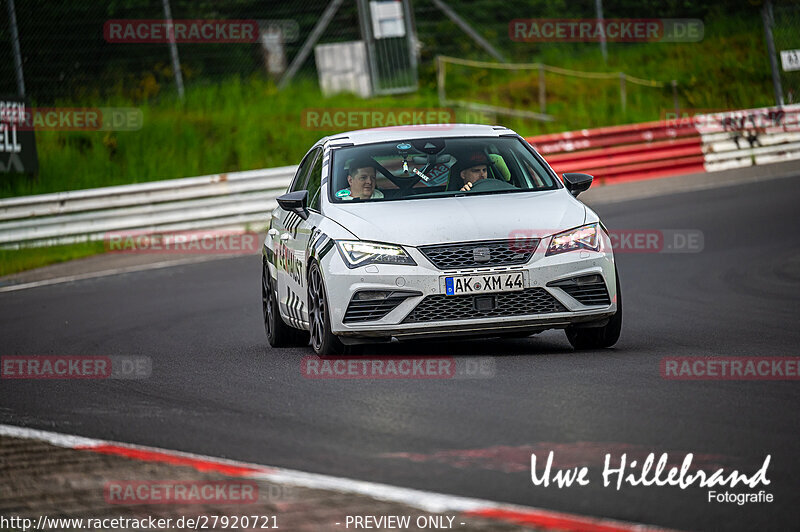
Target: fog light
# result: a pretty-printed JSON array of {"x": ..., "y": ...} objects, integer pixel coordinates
[
  {"x": 371, "y": 295},
  {"x": 588, "y": 279}
]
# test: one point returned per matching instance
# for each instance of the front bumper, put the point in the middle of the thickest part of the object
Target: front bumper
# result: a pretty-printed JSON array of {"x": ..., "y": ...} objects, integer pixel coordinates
[{"x": 426, "y": 280}]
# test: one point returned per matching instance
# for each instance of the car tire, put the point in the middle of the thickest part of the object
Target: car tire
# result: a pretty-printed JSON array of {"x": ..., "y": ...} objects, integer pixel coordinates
[
  {"x": 598, "y": 337},
  {"x": 279, "y": 334},
  {"x": 323, "y": 341}
]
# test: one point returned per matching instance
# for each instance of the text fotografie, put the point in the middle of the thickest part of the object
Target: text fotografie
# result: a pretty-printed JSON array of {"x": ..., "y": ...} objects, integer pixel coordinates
[{"x": 648, "y": 473}]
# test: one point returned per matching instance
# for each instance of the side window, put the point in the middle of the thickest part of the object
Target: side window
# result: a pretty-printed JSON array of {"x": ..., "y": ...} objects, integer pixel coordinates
[
  {"x": 315, "y": 183},
  {"x": 302, "y": 172}
]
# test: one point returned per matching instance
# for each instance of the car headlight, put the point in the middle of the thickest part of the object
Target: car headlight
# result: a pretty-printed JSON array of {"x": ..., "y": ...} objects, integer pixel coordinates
[
  {"x": 357, "y": 253},
  {"x": 585, "y": 237}
]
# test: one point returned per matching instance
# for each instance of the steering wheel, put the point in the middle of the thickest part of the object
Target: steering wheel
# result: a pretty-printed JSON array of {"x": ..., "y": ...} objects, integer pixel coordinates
[{"x": 491, "y": 184}]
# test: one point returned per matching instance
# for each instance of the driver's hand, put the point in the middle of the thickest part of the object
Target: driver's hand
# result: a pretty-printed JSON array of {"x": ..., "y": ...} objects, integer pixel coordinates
[{"x": 467, "y": 186}]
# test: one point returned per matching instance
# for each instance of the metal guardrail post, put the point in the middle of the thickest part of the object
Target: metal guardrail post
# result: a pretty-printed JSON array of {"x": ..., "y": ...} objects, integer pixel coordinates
[{"x": 542, "y": 91}]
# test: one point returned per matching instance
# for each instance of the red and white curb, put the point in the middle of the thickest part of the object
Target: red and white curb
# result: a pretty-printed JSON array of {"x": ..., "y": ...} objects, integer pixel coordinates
[{"x": 423, "y": 500}]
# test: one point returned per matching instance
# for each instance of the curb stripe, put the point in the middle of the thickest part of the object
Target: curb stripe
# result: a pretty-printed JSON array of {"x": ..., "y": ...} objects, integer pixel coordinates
[
  {"x": 552, "y": 520},
  {"x": 425, "y": 500},
  {"x": 156, "y": 456}
]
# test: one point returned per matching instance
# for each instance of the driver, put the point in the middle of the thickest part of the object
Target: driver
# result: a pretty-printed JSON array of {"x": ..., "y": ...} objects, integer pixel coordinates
[
  {"x": 362, "y": 178},
  {"x": 475, "y": 168}
]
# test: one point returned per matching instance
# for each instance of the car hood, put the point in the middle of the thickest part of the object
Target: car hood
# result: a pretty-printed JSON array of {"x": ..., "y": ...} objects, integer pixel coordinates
[{"x": 459, "y": 219}]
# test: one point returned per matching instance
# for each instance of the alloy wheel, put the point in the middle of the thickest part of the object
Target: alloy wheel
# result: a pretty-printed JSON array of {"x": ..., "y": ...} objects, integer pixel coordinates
[{"x": 317, "y": 310}]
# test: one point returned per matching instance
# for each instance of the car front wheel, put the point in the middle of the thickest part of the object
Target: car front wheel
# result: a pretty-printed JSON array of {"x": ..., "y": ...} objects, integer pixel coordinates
[
  {"x": 598, "y": 337},
  {"x": 323, "y": 341}
]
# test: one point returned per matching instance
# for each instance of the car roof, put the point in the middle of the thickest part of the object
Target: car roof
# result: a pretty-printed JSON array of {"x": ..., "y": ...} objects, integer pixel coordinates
[{"x": 389, "y": 134}]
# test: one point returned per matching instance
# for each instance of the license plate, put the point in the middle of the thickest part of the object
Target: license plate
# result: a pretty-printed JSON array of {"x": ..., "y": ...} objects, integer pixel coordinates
[{"x": 481, "y": 284}]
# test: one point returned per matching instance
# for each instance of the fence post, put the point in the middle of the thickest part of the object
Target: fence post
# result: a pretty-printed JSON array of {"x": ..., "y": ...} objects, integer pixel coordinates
[
  {"x": 766, "y": 16},
  {"x": 599, "y": 8},
  {"x": 12, "y": 23},
  {"x": 622, "y": 93},
  {"x": 542, "y": 91},
  {"x": 466, "y": 28},
  {"x": 312, "y": 39},
  {"x": 173, "y": 49},
  {"x": 440, "y": 79},
  {"x": 675, "y": 97}
]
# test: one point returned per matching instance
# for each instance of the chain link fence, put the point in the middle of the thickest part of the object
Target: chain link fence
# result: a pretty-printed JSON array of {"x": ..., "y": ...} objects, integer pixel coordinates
[
  {"x": 66, "y": 56},
  {"x": 786, "y": 35}
]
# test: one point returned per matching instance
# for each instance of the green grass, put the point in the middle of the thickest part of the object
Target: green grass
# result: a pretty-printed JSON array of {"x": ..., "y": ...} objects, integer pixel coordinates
[
  {"x": 728, "y": 69},
  {"x": 17, "y": 260},
  {"x": 244, "y": 124},
  {"x": 236, "y": 125}
]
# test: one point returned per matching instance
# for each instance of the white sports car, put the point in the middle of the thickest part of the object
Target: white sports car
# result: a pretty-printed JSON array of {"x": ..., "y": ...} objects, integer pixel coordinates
[{"x": 430, "y": 231}]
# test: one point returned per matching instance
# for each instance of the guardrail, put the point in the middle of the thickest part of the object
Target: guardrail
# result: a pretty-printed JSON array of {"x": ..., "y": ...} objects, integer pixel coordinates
[
  {"x": 703, "y": 143},
  {"x": 242, "y": 200},
  {"x": 222, "y": 201}
]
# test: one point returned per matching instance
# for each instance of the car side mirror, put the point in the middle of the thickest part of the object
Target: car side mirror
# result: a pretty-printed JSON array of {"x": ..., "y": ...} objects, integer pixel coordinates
[
  {"x": 296, "y": 202},
  {"x": 577, "y": 183}
]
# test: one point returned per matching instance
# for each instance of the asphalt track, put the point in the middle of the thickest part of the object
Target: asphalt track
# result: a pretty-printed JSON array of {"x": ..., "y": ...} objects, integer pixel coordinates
[{"x": 218, "y": 389}]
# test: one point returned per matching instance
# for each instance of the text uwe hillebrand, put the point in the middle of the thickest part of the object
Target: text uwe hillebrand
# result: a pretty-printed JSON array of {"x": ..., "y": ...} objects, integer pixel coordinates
[{"x": 646, "y": 473}]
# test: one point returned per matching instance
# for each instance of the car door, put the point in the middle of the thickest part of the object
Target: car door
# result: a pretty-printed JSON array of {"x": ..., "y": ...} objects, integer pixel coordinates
[
  {"x": 283, "y": 226},
  {"x": 300, "y": 233}
]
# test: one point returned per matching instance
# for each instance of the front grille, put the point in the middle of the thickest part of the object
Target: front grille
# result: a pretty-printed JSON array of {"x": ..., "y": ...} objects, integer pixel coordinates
[
  {"x": 374, "y": 309},
  {"x": 588, "y": 290},
  {"x": 441, "y": 307},
  {"x": 501, "y": 253}
]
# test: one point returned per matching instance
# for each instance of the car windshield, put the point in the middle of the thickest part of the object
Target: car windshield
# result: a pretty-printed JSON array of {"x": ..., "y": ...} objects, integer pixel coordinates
[{"x": 436, "y": 167}]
